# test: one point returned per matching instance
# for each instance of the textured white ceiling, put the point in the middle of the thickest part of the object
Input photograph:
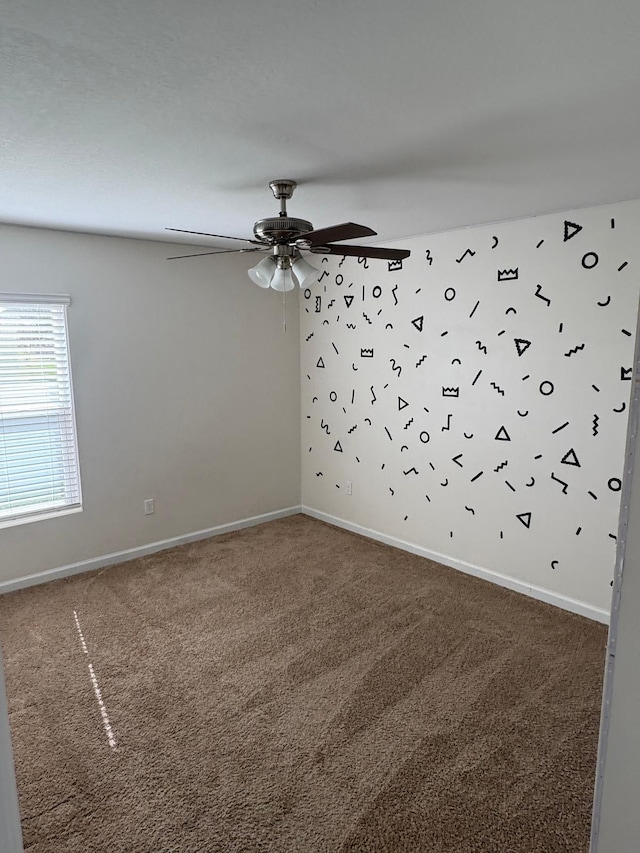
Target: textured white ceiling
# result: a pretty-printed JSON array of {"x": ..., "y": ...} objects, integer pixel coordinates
[{"x": 409, "y": 116}]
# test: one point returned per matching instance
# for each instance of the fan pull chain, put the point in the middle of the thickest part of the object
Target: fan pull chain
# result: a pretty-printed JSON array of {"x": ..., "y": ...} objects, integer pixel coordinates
[{"x": 284, "y": 312}]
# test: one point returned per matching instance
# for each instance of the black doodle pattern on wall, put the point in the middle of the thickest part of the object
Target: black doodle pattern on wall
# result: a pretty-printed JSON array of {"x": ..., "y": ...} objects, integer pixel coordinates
[{"x": 455, "y": 314}]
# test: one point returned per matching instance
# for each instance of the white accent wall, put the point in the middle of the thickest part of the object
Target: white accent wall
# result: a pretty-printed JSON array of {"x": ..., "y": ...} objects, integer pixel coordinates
[
  {"x": 476, "y": 397},
  {"x": 186, "y": 392}
]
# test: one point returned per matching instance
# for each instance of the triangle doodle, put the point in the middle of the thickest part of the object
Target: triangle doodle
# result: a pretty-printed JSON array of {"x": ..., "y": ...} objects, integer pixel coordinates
[
  {"x": 525, "y": 518},
  {"x": 320, "y": 362},
  {"x": 418, "y": 322},
  {"x": 521, "y": 345},
  {"x": 402, "y": 404},
  {"x": 570, "y": 458},
  {"x": 574, "y": 230},
  {"x": 338, "y": 447},
  {"x": 348, "y": 298},
  {"x": 502, "y": 435}
]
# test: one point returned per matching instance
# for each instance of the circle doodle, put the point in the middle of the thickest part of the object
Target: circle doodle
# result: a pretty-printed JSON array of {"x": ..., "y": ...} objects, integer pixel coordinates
[
  {"x": 592, "y": 263},
  {"x": 341, "y": 277},
  {"x": 307, "y": 293},
  {"x": 548, "y": 385},
  {"x": 615, "y": 484},
  {"x": 424, "y": 440},
  {"x": 451, "y": 291},
  {"x": 377, "y": 291},
  {"x": 333, "y": 396}
]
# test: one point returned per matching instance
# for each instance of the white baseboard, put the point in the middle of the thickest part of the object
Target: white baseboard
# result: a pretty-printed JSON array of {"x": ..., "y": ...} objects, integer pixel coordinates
[
  {"x": 142, "y": 550},
  {"x": 562, "y": 601}
]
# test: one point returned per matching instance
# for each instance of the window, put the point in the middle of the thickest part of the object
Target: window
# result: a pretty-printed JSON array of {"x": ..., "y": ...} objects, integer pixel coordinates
[{"x": 39, "y": 474}]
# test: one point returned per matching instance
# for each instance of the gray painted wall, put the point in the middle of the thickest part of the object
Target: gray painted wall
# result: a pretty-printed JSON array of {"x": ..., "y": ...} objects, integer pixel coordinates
[{"x": 186, "y": 391}]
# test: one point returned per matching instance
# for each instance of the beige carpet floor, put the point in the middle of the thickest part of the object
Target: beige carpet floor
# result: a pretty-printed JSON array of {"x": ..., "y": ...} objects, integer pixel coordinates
[{"x": 294, "y": 687}]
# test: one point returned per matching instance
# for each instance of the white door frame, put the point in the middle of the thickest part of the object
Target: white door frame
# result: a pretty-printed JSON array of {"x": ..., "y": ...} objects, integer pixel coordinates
[{"x": 10, "y": 829}]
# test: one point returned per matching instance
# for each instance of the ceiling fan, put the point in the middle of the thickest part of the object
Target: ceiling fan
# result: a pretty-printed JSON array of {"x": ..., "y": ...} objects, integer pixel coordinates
[{"x": 285, "y": 238}]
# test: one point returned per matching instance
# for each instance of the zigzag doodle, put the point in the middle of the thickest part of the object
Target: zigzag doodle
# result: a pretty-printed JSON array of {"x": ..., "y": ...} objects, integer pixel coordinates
[
  {"x": 498, "y": 388},
  {"x": 574, "y": 350},
  {"x": 418, "y": 363},
  {"x": 310, "y": 336},
  {"x": 595, "y": 427},
  {"x": 351, "y": 326},
  {"x": 367, "y": 319},
  {"x": 501, "y": 465},
  {"x": 352, "y": 429},
  {"x": 407, "y": 425}
]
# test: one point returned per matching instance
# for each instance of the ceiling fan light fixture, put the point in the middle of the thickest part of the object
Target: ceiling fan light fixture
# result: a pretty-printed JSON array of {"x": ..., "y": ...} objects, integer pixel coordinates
[
  {"x": 304, "y": 272},
  {"x": 282, "y": 280},
  {"x": 262, "y": 273}
]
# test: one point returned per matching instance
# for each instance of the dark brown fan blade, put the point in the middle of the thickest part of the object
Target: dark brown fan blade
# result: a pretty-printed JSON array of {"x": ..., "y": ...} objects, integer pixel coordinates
[
  {"x": 345, "y": 231},
  {"x": 206, "y": 234},
  {"x": 363, "y": 252},
  {"x": 217, "y": 252}
]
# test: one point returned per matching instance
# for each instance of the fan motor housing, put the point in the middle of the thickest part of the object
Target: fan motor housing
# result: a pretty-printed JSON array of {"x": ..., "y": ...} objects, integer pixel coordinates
[{"x": 281, "y": 229}]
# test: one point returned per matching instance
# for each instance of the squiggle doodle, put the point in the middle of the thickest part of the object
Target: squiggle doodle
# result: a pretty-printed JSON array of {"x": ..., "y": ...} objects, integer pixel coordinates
[
  {"x": 365, "y": 262},
  {"x": 428, "y": 257},
  {"x": 324, "y": 426},
  {"x": 319, "y": 474},
  {"x": 344, "y": 258},
  {"x": 472, "y": 511},
  {"x": 481, "y": 347},
  {"x": 395, "y": 366},
  {"x": 393, "y": 293},
  {"x": 373, "y": 395}
]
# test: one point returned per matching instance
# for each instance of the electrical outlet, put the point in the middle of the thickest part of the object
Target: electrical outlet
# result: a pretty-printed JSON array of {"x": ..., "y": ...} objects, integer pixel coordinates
[
  {"x": 149, "y": 507},
  {"x": 348, "y": 487}
]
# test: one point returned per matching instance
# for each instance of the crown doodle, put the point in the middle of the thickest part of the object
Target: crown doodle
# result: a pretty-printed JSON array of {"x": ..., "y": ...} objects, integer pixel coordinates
[
  {"x": 395, "y": 265},
  {"x": 366, "y": 353},
  {"x": 450, "y": 392},
  {"x": 508, "y": 275}
]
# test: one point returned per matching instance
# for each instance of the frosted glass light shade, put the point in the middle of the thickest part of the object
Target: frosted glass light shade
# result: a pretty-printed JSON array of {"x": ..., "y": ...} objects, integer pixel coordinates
[
  {"x": 262, "y": 273},
  {"x": 282, "y": 280},
  {"x": 304, "y": 272}
]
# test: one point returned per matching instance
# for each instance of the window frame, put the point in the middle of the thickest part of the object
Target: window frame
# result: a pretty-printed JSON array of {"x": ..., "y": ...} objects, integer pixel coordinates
[{"x": 25, "y": 515}]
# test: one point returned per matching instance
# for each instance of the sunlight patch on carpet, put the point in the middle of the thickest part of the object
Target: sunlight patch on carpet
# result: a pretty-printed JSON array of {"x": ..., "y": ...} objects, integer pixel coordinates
[{"x": 96, "y": 688}]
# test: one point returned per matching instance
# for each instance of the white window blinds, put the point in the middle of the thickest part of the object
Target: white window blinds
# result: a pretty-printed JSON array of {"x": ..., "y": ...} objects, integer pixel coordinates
[{"x": 38, "y": 453}]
